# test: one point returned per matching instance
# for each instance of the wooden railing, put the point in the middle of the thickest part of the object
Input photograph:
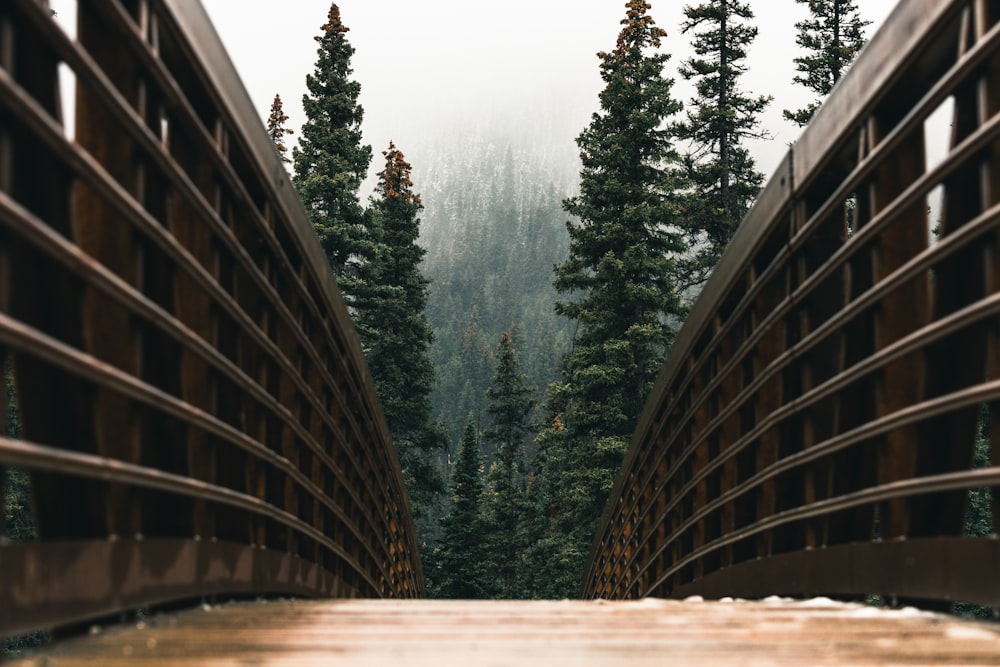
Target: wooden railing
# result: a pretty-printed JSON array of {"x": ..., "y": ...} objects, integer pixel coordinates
[
  {"x": 196, "y": 414},
  {"x": 813, "y": 428}
]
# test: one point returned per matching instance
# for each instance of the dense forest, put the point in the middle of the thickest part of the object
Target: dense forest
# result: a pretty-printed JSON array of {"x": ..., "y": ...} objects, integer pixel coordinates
[
  {"x": 537, "y": 288},
  {"x": 515, "y": 298},
  {"x": 493, "y": 228}
]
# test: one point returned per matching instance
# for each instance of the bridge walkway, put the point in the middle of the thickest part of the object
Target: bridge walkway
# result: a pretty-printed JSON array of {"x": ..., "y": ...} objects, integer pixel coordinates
[
  {"x": 441, "y": 633},
  {"x": 197, "y": 420}
]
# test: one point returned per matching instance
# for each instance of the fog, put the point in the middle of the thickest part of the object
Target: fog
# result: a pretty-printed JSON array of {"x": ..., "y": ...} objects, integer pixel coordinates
[{"x": 436, "y": 69}]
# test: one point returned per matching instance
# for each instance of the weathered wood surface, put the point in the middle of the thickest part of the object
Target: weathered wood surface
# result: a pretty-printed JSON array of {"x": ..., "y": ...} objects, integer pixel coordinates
[{"x": 523, "y": 634}]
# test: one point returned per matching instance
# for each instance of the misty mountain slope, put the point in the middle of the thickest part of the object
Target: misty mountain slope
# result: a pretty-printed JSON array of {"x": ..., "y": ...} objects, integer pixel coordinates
[{"x": 493, "y": 228}]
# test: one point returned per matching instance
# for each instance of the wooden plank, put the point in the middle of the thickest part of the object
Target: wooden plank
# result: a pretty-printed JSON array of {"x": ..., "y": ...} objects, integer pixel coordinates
[{"x": 443, "y": 633}]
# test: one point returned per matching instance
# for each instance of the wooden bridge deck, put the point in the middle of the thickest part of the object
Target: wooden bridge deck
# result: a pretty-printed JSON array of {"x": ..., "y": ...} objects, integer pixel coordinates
[
  {"x": 197, "y": 417},
  {"x": 486, "y": 634}
]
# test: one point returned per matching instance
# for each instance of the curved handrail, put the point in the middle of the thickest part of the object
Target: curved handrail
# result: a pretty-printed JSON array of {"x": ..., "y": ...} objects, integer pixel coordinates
[
  {"x": 197, "y": 416},
  {"x": 843, "y": 338}
]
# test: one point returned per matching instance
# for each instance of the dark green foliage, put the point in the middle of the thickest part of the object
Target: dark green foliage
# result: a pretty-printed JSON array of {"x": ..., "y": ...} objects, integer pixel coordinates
[
  {"x": 552, "y": 566},
  {"x": 510, "y": 402},
  {"x": 390, "y": 298},
  {"x": 622, "y": 254},
  {"x": 493, "y": 228},
  {"x": 390, "y": 307},
  {"x": 979, "y": 511},
  {"x": 621, "y": 273},
  {"x": 461, "y": 570},
  {"x": 11, "y": 418},
  {"x": 719, "y": 119},
  {"x": 330, "y": 161},
  {"x": 832, "y": 36},
  {"x": 18, "y": 523},
  {"x": 276, "y": 128},
  {"x": 505, "y": 508},
  {"x": 557, "y": 545}
]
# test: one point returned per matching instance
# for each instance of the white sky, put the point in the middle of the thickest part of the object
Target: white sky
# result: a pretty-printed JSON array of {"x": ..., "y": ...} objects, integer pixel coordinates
[
  {"x": 426, "y": 68},
  {"x": 431, "y": 71}
]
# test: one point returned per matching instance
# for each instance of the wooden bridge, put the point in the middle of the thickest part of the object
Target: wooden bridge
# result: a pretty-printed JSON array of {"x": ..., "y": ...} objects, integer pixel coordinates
[{"x": 198, "y": 421}]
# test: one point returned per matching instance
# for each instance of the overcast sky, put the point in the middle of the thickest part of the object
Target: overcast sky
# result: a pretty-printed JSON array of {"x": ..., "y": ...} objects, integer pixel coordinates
[
  {"x": 434, "y": 70},
  {"x": 428, "y": 67}
]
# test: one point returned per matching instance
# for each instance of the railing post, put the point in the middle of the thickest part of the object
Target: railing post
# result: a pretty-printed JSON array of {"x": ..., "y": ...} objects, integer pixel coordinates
[
  {"x": 820, "y": 422},
  {"x": 901, "y": 312}
]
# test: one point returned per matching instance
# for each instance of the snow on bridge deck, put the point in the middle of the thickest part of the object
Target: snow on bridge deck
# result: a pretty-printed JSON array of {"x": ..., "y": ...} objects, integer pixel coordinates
[{"x": 527, "y": 633}]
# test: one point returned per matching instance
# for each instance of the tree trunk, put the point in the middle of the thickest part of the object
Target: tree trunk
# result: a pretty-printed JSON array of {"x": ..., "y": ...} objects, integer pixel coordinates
[{"x": 723, "y": 104}]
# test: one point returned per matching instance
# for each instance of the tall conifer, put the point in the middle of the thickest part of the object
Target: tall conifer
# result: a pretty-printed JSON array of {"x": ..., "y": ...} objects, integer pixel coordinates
[
  {"x": 833, "y": 35},
  {"x": 461, "y": 569},
  {"x": 276, "y": 128},
  {"x": 389, "y": 300},
  {"x": 330, "y": 160},
  {"x": 620, "y": 275},
  {"x": 505, "y": 510},
  {"x": 719, "y": 119},
  {"x": 15, "y": 489}
]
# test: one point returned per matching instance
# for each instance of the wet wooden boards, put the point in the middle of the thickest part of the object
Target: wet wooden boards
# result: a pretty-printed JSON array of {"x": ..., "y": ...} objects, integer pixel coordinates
[{"x": 525, "y": 634}]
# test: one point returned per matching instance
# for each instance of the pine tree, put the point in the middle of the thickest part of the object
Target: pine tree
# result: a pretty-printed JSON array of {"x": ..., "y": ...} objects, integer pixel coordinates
[
  {"x": 622, "y": 270},
  {"x": 330, "y": 161},
  {"x": 459, "y": 559},
  {"x": 276, "y": 128},
  {"x": 719, "y": 119},
  {"x": 390, "y": 298},
  {"x": 833, "y": 36},
  {"x": 18, "y": 525},
  {"x": 506, "y": 512},
  {"x": 557, "y": 546}
]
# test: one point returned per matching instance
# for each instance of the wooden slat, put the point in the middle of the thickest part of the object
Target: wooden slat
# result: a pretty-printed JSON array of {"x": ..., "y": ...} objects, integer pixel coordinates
[{"x": 443, "y": 633}]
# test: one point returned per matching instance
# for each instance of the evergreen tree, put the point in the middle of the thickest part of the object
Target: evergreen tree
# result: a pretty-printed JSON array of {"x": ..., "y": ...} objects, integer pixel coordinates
[
  {"x": 330, "y": 161},
  {"x": 719, "y": 119},
  {"x": 18, "y": 524},
  {"x": 493, "y": 230},
  {"x": 390, "y": 297},
  {"x": 11, "y": 419},
  {"x": 506, "y": 512},
  {"x": 459, "y": 559},
  {"x": 833, "y": 36},
  {"x": 557, "y": 546},
  {"x": 276, "y": 128},
  {"x": 622, "y": 265}
]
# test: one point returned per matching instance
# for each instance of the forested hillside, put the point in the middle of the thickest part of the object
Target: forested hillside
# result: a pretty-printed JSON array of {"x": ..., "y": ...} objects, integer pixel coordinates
[
  {"x": 493, "y": 227},
  {"x": 530, "y": 341}
]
